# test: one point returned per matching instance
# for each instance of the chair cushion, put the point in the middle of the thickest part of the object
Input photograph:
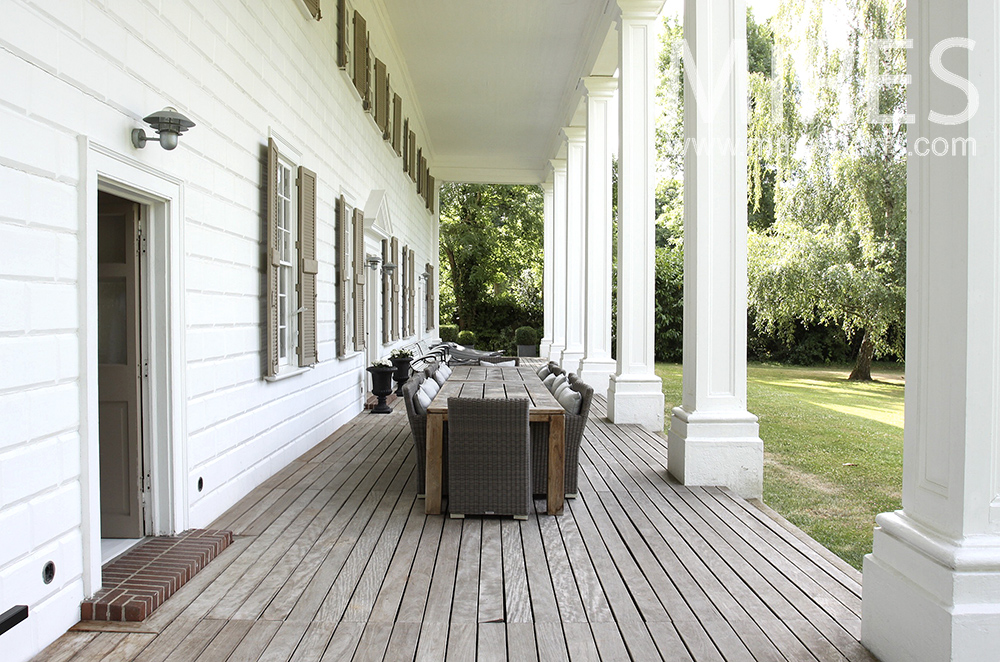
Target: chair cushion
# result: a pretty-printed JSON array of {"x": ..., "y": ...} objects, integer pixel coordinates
[
  {"x": 504, "y": 364},
  {"x": 439, "y": 377},
  {"x": 443, "y": 369},
  {"x": 548, "y": 381},
  {"x": 559, "y": 381},
  {"x": 422, "y": 402},
  {"x": 562, "y": 388},
  {"x": 430, "y": 387},
  {"x": 570, "y": 400},
  {"x": 543, "y": 372}
]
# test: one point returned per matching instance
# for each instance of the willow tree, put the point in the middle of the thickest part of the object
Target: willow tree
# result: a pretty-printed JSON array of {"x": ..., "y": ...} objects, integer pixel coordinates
[{"x": 836, "y": 252}]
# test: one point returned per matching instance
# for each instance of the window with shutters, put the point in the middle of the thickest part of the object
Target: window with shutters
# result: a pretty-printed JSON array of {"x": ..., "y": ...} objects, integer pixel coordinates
[{"x": 291, "y": 264}]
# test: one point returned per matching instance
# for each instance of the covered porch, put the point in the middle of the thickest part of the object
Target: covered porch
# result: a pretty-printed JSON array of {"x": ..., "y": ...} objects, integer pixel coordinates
[{"x": 334, "y": 559}]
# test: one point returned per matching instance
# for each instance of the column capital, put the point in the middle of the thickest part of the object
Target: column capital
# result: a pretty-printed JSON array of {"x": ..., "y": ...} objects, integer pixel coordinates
[
  {"x": 575, "y": 133},
  {"x": 558, "y": 165},
  {"x": 639, "y": 9},
  {"x": 600, "y": 86},
  {"x": 547, "y": 186}
]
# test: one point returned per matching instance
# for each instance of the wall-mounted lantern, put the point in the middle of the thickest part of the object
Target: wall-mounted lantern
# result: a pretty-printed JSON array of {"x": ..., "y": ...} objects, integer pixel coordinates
[{"x": 168, "y": 123}]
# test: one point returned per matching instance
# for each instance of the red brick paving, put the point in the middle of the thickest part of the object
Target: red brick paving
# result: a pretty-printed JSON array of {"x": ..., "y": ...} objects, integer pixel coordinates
[{"x": 140, "y": 580}]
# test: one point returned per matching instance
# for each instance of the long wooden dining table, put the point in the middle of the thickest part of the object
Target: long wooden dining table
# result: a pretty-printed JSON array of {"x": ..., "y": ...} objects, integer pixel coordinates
[{"x": 501, "y": 382}]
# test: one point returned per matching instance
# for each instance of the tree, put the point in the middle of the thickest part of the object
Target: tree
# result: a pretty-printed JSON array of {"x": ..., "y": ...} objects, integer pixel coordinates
[
  {"x": 836, "y": 253},
  {"x": 491, "y": 255}
]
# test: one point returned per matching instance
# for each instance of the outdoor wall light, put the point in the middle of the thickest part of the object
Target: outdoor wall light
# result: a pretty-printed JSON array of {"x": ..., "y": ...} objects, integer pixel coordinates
[
  {"x": 424, "y": 276},
  {"x": 373, "y": 262},
  {"x": 389, "y": 267},
  {"x": 168, "y": 123}
]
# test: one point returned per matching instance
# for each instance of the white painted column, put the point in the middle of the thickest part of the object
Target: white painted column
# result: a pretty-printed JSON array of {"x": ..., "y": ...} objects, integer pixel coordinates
[
  {"x": 547, "y": 285},
  {"x": 576, "y": 189},
  {"x": 635, "y": 394},
  {"x": 558, "y": 259},
  {"x": 932, "y": 582},
  {"x": 713, "y": 439},
  {"x": 598, "y": 366}
]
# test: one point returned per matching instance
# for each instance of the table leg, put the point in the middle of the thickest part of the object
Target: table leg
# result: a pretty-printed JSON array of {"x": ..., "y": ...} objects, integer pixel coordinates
[
  {"x": 433, "y": 458},
  {"x": 557, "y": 464}
]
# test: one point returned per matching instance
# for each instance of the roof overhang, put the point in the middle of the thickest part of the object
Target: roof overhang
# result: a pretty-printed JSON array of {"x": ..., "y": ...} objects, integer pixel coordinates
[{"x": 497, "y": 79}]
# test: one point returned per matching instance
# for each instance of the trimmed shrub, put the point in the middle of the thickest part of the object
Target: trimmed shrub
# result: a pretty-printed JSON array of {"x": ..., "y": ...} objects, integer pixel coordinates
[
  {"x": 525, "y": 335},
  {"x": 467, "y": 338},
  {"x": 449, "y": 332}
]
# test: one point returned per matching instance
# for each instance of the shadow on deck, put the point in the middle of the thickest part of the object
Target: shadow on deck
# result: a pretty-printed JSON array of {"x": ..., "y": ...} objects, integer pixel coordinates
[{"x": 334, "y": 559}]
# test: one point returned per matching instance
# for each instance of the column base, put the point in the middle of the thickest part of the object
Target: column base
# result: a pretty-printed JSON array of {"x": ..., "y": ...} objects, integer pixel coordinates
[
  {"x": 555, "y": 352},
  {"x": 928, "y": 598},
  {"x": 571, "y": 360},
  {"x": 544, "y": 348},
  {"x": 717, "y": 448},
  {"x": 636, "y": 400},
  {"x": 597, "y": 373}
]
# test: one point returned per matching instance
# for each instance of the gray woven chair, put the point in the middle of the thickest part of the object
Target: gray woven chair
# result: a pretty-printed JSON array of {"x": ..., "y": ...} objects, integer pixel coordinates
[
  {"x": 575, "y": 425},
  {"x": 489, "y": 459},
  {"x": 418, "y": 429}
]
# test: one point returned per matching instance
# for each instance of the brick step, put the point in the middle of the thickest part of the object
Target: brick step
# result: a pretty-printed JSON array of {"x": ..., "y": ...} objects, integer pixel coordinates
[{"x": 140, "y": 580}]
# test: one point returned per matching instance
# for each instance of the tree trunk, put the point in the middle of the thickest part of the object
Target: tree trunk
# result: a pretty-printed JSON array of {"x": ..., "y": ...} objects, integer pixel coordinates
[{"x": 863, "y": 365}]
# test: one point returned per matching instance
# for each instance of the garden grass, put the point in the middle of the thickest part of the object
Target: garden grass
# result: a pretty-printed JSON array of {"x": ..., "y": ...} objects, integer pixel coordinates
[{"x": 833, "y": 449}]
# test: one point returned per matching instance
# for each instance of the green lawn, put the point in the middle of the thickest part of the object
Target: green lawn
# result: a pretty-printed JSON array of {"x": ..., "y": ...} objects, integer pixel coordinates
[{"x": 833, "y": 449}]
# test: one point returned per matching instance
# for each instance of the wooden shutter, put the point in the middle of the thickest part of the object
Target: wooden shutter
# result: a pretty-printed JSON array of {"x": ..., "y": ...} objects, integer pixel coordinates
[
  {"x": 421, "y": 167},
  {"x": 397, "y": 124},
  {"x": 412, "y": 294},
  {"x": 404, "y": 300},
  {"x": 343, "y": 31},
  {"x": 394, "y": 253},
  {"x": 430, "y": 297},
  {"x": 381, "y": 100},
  {"x": 361, "y": 66},
  {"x": 412, "y": 153},
  {"x": 308, "y": 267},
  {"x": 343, "y": 274},
  {"x": 385, "y": 291},
  {"x": 430, "y": 192},
  {"x": 272, "y": 258},
  {"x": 406, "y": 145},
  {"x": 359, "y": 280},
  {"x": 313, "y": 6}
]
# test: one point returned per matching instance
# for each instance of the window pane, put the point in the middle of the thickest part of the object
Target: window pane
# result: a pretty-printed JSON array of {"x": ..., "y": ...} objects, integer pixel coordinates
[{"x": 112, "y": 316}]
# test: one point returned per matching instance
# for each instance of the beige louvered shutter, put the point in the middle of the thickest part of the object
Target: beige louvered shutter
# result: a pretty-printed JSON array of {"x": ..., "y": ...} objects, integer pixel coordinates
[
  {"x": 404, "y": 301},
  {"x": 343, "y": 274},
  {"x": 342, "y": 34},
  {"x": 430, "y": 192},
  {"x": 381, "y": 102},
  {"x": 397, "y": 124},
  {"x": 394, "y": 252},
  {"x": 412, "y": 154},
  {"x": 385, "y": 291},
  {"x": 308, "y": 267},
  {"x": 361, "y": 56},
  {"x": 273, "y": 258},
  {"x": 313, "y": 6},
  {"x": 359, "y": 279},
  {"x": 410, "y": 325},
  {"x": 430, "y": 297},
  {"x": 421, "y": 167}
]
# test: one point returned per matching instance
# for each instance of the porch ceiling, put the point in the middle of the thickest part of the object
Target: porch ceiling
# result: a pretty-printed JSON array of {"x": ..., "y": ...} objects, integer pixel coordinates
[{"x": 497, "y": 80}]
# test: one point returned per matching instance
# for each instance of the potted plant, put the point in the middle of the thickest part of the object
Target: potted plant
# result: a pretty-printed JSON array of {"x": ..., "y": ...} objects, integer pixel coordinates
[
  {"x": 381, "y": 371},
  {"x": 401, "y": 359},
  {"x": 527, "y": 341},
  {"x": 467, "y": 339},
  {"x": 448, "y": 333}
]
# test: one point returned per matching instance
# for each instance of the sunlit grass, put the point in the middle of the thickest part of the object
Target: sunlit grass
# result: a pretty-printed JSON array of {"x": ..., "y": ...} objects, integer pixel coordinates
[{"x": 833, "y": 449}]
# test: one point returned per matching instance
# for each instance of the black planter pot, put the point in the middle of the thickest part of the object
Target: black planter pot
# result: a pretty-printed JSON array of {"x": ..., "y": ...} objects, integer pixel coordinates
[
  {"x": 402, "y": 367},
  {"x": 381, "y": 387},
  {"x": 527, "y": 350}
]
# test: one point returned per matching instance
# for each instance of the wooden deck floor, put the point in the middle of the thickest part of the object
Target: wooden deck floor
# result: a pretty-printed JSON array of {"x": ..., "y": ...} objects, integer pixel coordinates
[{"x": 335, "y": 560}]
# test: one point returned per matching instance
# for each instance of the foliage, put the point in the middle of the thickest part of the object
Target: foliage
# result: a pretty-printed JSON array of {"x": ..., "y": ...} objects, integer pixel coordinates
[
  {"x": 525, "y": 335},
  {"x": 467, "y": 338},
  {"x": 491, "y": 259},
  {"x": 668, "y": 330},
  {"x": 448, "y": 332},
  {"x": 836, "y": 254},
  {"x": 833, "y": 448},
  {"x": 401, "y": 353}
]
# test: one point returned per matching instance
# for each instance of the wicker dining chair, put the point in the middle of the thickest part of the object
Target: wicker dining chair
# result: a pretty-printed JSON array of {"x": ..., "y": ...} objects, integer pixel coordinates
[
  {"x": 489, "y": 457},
  {"x": 500, "y": 359},
  {"x": 576, "y": 423},
  {"x": 418, "y": 429}
]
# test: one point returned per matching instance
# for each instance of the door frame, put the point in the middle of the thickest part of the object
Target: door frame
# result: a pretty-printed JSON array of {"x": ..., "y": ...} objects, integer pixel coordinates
[{"x": 162, "y": 288}]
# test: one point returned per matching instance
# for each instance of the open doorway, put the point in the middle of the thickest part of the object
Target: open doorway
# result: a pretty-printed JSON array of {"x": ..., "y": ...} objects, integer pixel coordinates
[{"x": 121, "y": 362}]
